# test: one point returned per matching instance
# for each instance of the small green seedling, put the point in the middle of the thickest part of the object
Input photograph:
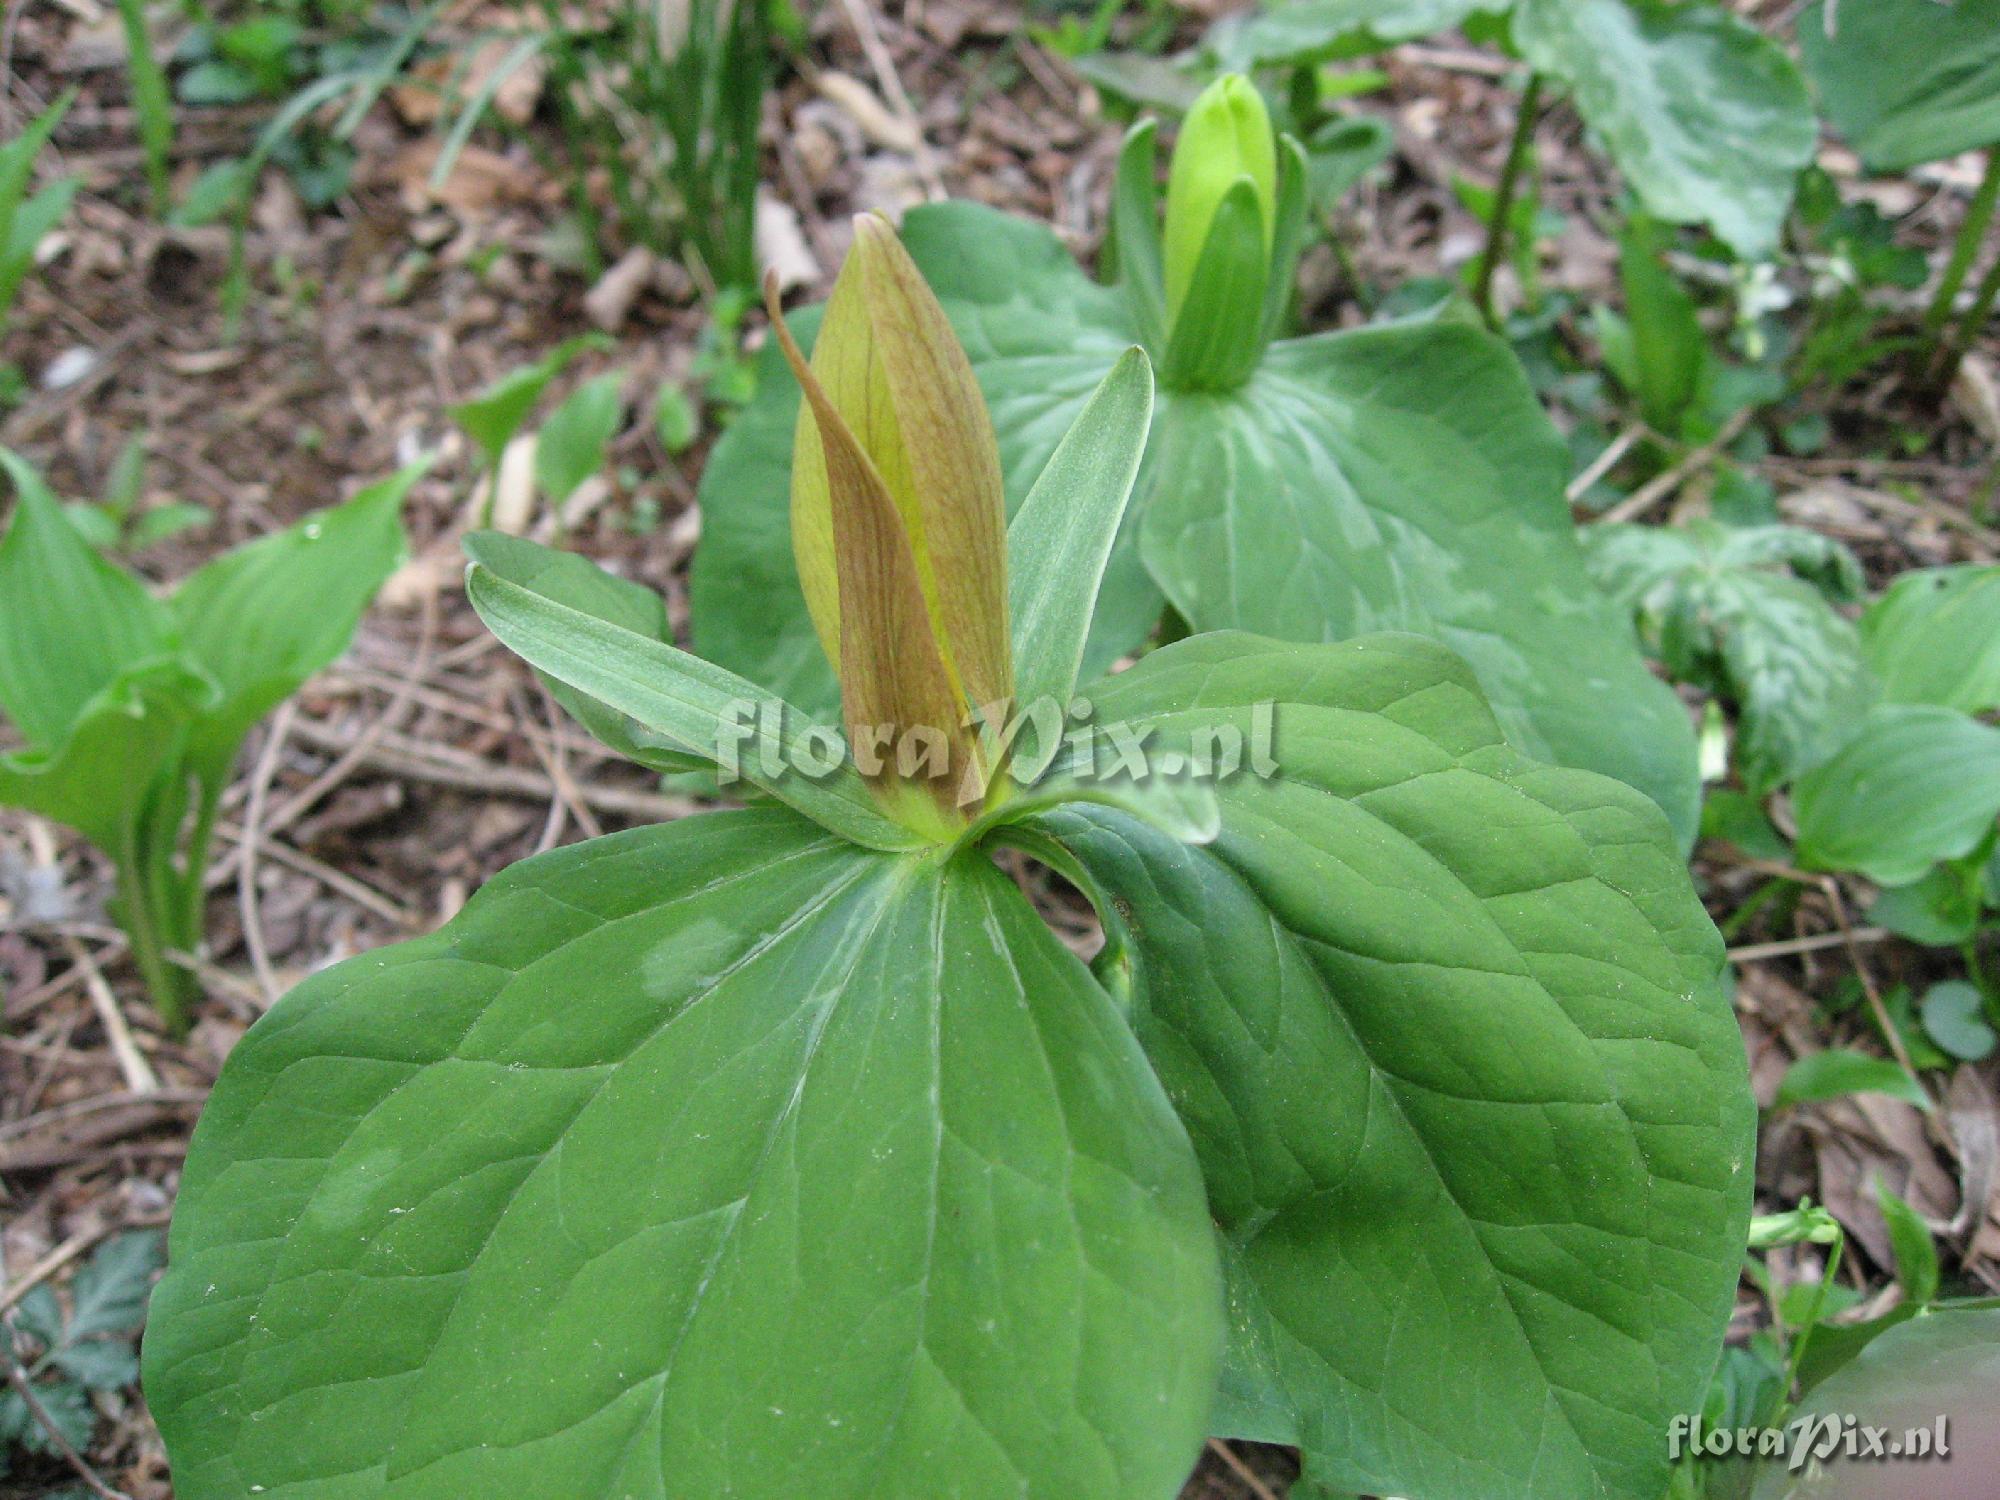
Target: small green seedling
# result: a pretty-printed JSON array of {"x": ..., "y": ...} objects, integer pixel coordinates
[
  {"x": 787, "y": 1151},
  {"x": 116, "y": 522},
  {"x": 1748, "y": 612},
  {"x": 27, "y": 217},
  {"x": 132, "y": 707}
]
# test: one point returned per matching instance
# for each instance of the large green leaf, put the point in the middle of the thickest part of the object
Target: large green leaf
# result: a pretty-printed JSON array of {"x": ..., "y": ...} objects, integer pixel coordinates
[
  {"x": 1907, "y": 81},
  {"x": 1302, "y": 31},
  {"x": 1707, "y": 118},
  {"x": 1943, "y": 1363},
  {"x": 1404, "y": 479},
  {"x": 98, "y": 776},
  {"x": 1934, "y": 637},
  {"x": 1445, "y": 1028},
  {"x": 90, "y": 621},
  {"x": 717, "y": 1158},
  {"x": 1915, "y": 785},
  {"x": 263, "y": 618},
  {"x": 1398, "y": 478}
]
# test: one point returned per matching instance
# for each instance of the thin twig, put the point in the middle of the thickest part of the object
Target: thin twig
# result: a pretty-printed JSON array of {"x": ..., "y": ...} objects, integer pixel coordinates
[
  {"x": 1240, "y": 1469},
  {"x": 1657, "y": 489},
  {"x": 418, "y": 761},
  {"x": 1753, "y": 952},
  {"x": 1868, "y": 986},
  {"x": 18, "y": 1377},
  {"x": 138, "y": 1073},
  {"x": 246, "y": 882},
  {"x": 405, "y": 689},
  {"x": 1605, "y": 462},
  {"x": 890, "y": 82}
]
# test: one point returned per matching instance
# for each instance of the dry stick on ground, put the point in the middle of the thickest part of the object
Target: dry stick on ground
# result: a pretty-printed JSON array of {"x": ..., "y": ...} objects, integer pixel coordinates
[
  {"x": 139, "y": 1075},
  {"x": 356, "y": 890},
  {"x": 1655, "y": 490},
  {"x": 1240, "y": 1469},
  {"x": 429, "y": 763},
  {"x": 890, "y": 82},
  {"x": 246, "y": 880},
  {"x": 406, "y": 689},
  {"x": 1850, "y": 938},
  {"x": 1785, "y": 948},
  {"x": 1606, "y": 461}
]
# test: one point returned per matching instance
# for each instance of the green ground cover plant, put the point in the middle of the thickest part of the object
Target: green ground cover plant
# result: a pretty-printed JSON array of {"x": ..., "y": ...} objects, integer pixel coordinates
[
  {"x": 131, "y": 707},
  {"x": 786, "y": 1150}
]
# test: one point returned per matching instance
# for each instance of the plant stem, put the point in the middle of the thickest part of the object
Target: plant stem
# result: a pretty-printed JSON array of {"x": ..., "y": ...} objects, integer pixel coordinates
[
  {"x": 165, "y": 981},
  {"x": 1968, "y": 328},
  {"x": 1503, "y": 197},
  {"x": 1965, "y": 249}
]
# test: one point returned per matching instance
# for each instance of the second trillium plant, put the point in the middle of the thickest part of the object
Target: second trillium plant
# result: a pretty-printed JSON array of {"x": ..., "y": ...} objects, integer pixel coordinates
[{"x": 787, "y": 1152}]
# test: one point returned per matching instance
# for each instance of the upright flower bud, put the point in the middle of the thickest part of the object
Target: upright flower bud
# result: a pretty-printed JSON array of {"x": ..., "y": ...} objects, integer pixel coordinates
[
  {"x": 1225, "y": 139},
  {"x": 899, "y": 528}
]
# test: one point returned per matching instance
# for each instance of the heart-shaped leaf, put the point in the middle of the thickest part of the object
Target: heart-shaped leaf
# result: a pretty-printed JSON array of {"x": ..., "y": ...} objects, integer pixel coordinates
[
  {"x": 1445, "y": 1028},
  {"x": 717, "y": 1158}
]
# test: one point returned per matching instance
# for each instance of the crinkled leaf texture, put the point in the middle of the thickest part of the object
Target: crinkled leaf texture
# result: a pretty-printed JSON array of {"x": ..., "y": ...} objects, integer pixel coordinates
[
  {"x": 712, "y": 1159},
  {"x": 1445, "y": 1028},
  {"x": 1748, "y": 610},
  {"x": 1398, "y": 478}
]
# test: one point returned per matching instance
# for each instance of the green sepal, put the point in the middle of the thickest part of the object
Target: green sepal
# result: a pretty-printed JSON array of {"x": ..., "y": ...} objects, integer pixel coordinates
[
  {"x": 1135, "y": 230},
  {"x": 1218, "y": 335}
]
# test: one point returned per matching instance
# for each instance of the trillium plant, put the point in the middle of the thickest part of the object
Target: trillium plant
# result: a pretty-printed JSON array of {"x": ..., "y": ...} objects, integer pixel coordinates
[
  {"x": 786, "y": 1151},
  {"x": 1399, "y": 477}
]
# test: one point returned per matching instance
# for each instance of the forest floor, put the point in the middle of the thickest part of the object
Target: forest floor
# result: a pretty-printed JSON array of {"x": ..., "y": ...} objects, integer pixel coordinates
[{"x": 428, "y": 758}]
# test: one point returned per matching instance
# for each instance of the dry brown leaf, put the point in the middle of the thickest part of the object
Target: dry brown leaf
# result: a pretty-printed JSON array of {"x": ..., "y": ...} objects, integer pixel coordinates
[
  {"x": 781, "y": 244},
  {"x": 1976, "y": 394},
  {"x": 479, "y": 180}
]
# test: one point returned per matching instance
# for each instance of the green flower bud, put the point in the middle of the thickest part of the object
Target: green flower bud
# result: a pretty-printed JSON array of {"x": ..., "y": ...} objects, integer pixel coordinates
[{"x": 1225, "y": 138}]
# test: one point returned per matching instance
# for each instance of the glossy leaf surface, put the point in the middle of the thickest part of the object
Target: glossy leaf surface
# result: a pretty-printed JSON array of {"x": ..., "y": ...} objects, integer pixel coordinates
[
  {"x": 1934, "y": 637},
  {"x": 1915, "y": 785},
  {"x": 716, "y": 1158},
  {"x": 1444, "y": 1026}
]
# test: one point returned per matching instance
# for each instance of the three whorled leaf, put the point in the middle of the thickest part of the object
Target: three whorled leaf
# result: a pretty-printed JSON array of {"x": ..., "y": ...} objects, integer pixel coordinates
[{"x": 726, "y": 1158}]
